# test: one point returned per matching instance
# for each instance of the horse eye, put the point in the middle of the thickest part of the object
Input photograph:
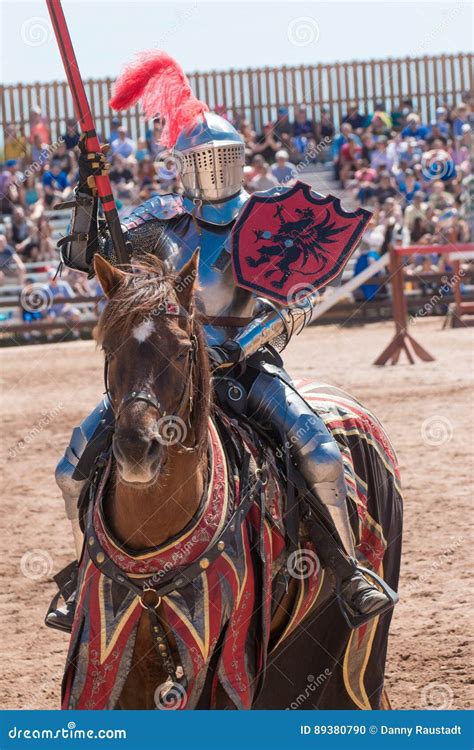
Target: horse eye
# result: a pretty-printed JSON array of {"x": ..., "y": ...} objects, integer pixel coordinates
[{"x": 182, "y": 355}]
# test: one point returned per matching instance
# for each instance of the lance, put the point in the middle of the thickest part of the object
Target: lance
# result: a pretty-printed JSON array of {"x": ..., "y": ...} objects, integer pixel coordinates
[{"x": 87, "y": 125}]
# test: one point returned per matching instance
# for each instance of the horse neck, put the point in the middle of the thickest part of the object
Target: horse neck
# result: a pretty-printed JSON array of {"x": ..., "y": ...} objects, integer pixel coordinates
[{"x": 142, "y": 518}]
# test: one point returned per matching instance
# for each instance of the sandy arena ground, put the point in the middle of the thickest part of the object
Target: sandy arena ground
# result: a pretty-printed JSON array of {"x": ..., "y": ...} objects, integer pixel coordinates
[{"x": 427, "y": 411}]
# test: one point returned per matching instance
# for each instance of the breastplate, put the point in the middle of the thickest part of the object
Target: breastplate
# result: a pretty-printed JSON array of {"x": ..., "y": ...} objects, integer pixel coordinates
[{"x": 218, "y": 297}]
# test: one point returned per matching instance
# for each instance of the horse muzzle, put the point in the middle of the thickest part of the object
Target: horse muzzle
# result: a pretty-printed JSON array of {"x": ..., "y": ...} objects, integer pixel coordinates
[{"x": 139, "y": 456}]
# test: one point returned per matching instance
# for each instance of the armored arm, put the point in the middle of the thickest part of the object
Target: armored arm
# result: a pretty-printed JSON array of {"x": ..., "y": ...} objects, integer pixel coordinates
[
  {"x": 77, "y": 249},
  {"x": 273, "y": 325}
]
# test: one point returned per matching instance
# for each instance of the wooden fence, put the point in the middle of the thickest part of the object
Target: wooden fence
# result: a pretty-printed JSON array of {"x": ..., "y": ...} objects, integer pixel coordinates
[{"x": 258, "y": 92}]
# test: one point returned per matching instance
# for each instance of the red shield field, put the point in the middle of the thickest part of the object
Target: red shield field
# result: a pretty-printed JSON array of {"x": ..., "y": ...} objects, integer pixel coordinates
[{"x": 286, "y": 245}]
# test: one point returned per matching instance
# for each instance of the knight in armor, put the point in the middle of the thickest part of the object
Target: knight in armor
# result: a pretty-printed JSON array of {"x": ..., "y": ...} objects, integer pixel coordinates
[{"x": 210, "y": 154}]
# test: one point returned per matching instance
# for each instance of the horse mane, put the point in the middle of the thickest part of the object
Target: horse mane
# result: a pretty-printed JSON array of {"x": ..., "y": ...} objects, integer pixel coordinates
[{"x": 143, "y": 293}]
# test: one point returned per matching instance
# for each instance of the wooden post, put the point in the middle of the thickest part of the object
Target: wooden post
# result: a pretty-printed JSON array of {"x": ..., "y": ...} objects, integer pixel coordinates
[
  {"x": 259, "y": 103},
  {"x": 269, "y": 88},
  {"x": 402, "y": 340},
  {"x": 251, "y": 93},
  {"x": 232, "y": 91},
  {"x": 461, "y": 308},
  {"x": 21, "y": 117}
]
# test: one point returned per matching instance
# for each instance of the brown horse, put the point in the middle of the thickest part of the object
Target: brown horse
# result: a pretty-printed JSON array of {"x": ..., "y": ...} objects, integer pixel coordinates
[{"x": 159, "y": 384}]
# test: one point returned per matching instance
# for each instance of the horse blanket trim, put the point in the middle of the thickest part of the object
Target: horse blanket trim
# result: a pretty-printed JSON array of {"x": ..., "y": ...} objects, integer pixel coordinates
[{"x": 235, "y": 593}]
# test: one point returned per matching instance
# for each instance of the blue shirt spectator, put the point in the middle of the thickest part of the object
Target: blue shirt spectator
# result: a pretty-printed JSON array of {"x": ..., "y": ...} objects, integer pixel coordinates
[
  {"x": 369, "y": 290},
  {"x": 123, "y": 145},
  {"x": 55, "y": 178},
  {"x": 115, "y": 122},
  {"x": 408, "y": 186},
  {"x": 302, "y": 125},
  {"x": 414, "y": 128},
  {"x": 283, "y": 170},
  {"x": 58, "y": 288},
  {"x": 462, "y": 118},
  {"x": 342, "y": 138},
  {"x": 71, "y": 136}
]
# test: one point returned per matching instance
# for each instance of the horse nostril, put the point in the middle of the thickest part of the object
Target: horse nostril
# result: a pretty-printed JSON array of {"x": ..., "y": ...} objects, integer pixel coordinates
[
  {"x": 117, "y": 449},
  {"x": 153, "y": 448}
]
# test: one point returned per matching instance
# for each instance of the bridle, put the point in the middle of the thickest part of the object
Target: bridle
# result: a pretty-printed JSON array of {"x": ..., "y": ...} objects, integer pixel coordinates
[{"x": 186, "y": 400}]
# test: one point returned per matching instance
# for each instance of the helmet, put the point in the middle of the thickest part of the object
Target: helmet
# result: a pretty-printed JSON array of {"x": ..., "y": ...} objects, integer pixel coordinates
[
  {"x": 209, "y": 151},
  {"x": 211, "y": 159}
]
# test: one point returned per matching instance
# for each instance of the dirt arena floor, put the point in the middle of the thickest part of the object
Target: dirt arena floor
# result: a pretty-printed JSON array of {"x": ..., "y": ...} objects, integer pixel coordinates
[{"x": 427, "y": 410}]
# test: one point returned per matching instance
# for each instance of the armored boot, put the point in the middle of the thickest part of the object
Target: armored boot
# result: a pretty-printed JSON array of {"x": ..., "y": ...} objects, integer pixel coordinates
[
  {"x": 276, "y": 405},
  {"x": 359, "y": 598},
  {"x": 72, "y": 472}
]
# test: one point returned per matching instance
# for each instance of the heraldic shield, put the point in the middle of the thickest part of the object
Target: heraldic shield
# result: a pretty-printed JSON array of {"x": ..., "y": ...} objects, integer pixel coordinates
[{"x": 289, "y": 244}]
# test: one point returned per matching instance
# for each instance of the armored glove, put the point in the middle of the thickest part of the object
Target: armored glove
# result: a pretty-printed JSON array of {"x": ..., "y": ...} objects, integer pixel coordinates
[
  {"x": 91, "y": 165},
  {"x": 225, "y": 355}
]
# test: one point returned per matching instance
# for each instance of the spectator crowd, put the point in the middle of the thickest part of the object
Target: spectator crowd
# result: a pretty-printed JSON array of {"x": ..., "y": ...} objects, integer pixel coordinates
[{"x": 414, "y": 176}]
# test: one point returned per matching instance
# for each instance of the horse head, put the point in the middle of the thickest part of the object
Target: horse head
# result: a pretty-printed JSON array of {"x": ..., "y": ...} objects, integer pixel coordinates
[{"x": 156, "y": 366}]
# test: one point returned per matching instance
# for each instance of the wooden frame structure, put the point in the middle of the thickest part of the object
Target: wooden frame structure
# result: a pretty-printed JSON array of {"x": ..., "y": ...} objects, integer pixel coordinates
[{"x": 402, "y": 339}]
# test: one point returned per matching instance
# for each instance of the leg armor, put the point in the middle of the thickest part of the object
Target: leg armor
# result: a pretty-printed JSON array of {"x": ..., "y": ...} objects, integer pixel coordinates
[
  {"x": 276, "y": 405},
  {"x": 87, "y": 441},
  {"x": 72, "y": 472}
]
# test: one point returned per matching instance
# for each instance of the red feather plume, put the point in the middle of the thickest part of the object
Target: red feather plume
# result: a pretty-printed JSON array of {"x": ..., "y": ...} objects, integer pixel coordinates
[{"x": 161, "y": 85}]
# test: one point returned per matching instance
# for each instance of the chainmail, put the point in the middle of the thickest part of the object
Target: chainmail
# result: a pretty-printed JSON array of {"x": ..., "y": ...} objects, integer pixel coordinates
[{"x": 149, "y": 237}]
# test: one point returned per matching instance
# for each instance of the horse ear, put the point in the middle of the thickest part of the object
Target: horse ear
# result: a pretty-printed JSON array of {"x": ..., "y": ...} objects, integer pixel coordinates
[
  {"x": 110, "y": 278},
  {"x": 185, "y": 281}
]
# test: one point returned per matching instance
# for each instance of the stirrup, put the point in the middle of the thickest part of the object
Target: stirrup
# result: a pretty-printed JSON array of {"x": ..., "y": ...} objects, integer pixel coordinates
[
  {"x": 356, "y": 619},
  {"x": 56, "y": 624},
  {"x": 66, "y": 581}
]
